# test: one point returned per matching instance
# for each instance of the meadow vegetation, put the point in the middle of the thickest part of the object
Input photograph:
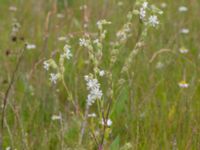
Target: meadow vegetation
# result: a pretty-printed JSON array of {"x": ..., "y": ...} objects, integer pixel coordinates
[{"x": 100, "y": 74}]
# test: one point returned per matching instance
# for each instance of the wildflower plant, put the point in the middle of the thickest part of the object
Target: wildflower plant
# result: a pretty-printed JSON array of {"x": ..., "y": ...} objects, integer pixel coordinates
[{"x": 100, "y": 121}]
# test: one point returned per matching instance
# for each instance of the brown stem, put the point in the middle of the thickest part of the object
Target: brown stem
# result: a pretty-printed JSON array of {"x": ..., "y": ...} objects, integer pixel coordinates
[{"x": 7, "y": 93}]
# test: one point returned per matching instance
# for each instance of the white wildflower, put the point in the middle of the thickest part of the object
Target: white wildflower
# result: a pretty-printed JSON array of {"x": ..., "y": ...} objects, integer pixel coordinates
[
  {"x": 60, "y": 16},
  {"x": 93, "y": 87},
  {"x": 83, "y": 42},
  {"x": 184, "y": 31},
  {"x": 62, "y": 38},
  {"x": 183, "y": 50},
  {"x": 8, "y": 148},
  {"x": 53, "y": 78},
  {"x": 30, "y": 46},
  {"x": 142, "y": 13},
  {"x": 56, "y": 117},
  {"x": 101, "y": 73},
  {"x": 46, "y": 65},
  {"x": 145, "y": 5},
  {"x": 143, "y": 10},
  {"x": 67, "y": 52},
  {"x": 92, "y": 115},
  {"x": 153, "y": 20},
  {"x": 100, "y": 23},
  {"x": 159, "y": 65},
  {"x": 13, "y": 8},
  {"x": 182, "y": 9},
  {"x": 109, "y": 122},
  {"x": 120, "y": 3},
  {"x": 183, "y": 84},
  {"x": 163, "y": 5}
]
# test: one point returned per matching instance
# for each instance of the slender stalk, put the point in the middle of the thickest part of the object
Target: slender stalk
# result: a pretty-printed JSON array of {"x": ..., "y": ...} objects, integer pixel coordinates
[{"x": 5, "y": 100}]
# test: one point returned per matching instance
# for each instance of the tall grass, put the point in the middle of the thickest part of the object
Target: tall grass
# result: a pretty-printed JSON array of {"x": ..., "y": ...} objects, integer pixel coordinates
[{"x": 148, "y": 76}]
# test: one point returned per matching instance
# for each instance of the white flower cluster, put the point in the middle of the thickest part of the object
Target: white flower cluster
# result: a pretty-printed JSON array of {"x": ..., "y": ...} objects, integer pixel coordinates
[
  {"x": 143, "y": 10},
  {"x": 30, "y": 46},
  {"x": 67, "y": 52},
  {"x": 93, "y": 87},
  {"x": 108, "y": 122},
  {"x": 59, "y": 68},
  {"x": 100, "y": 23},
  {"x": 152, "y": 20}
]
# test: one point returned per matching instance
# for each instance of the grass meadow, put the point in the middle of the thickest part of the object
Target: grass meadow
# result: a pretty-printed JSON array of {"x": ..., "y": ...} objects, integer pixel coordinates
[{"x": 100, "y": 74}]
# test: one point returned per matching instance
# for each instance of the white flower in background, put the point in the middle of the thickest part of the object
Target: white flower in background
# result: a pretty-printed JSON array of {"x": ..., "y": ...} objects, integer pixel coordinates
[
  {"x": 109, "y": 122},
  {"x": 100, "y": 23},
  {"x": 153, "y": 20},
  {"x": 56, "y": 117},
  {"x": 142, "y": 12},
  {"x": 83, "y": 7},
  {"x": 60, "y": 16},
  {"x": 159, "y": 65},
  {"x": 163, "y": 5},
  {"x": 182, "y": 9},
  {"x": 62, "y": 38},
  {"x": 83, "y": 42},
  {"x": 120, "y": 3},
  {"x": 93, "y": 87},
  {"x": 67, "y": 52},
  {"x": 53, "y": 78},
  {"x": 46, "y": 65},
  {"x": 145, "y": 5},
  {"x": 92, "y": 115},
  {"x": 96, "y": 41},
  {"x": 184, "y": 31},
  {"x": 183, "y": 84},
  {"x": 30, "y": 46},
  {"x": 183, "y": 50},
  {"x": 13, "y": 8},
  {"x": 101, "y": 73},
  {"x": 8, "y": 148}
]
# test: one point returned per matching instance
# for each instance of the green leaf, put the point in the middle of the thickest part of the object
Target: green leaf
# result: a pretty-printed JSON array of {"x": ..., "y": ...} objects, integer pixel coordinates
[{"x": 115, "y": 144}]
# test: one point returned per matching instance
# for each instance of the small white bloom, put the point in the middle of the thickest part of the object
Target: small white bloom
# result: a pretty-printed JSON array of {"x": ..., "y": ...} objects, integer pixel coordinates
[
  {"x": 100, "y": 23},
  {"x": 120, "y": 3},
  {"x": 83, "y": 7},
  {"x": 145, "y": 5},
  {"x": 183, "y": 84},
  {"x": 101, "y": 73},
  {"x": 142, "y": 13},
  {"x": 92, "y": 115},
  {"x": 159, "y": 65},
  {"x": 93, "y": 87},
  {"x": 153, "y": 20},
  {"x": 182, "y": 9},
  {"x": 56, "y": 117},
  {"x": 184, "y": 31},
  {"x": 96, "y": 41},
  {"x": 60, "y": 16},
  {"x": 46, "y": 65},
  {"x": 83, "y": 42},
  {"x": 109, "y": 122},
  {"x": 163, "y": 5},
  {"x": 67, "y": 52},
  {"x": 53, "y": 78},
  {"x": 183, "y": 50},
  {"x": 30, "y": 46},
  {"x": 13, "y": 8},
  {"x": 8, "y": 148},
  {"x": 62, "y": 38}
]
